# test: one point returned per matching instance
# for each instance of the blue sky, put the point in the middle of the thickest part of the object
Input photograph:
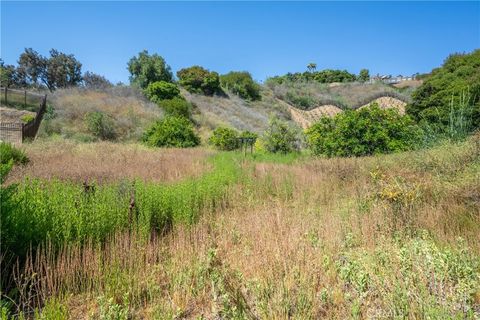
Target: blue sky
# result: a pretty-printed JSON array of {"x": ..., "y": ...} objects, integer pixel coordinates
[{"x": 265, "y": 38}]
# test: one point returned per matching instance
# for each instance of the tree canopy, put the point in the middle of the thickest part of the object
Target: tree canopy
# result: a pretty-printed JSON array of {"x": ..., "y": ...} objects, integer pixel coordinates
[
  {"x": 199, "y": 80},
  {"x": 145, "y": 69}
]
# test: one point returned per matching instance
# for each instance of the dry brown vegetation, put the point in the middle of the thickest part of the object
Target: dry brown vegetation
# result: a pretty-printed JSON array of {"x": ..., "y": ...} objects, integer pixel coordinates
[
  {"x": 13, "y": 115},
  {"x": 129, "y": 109},
  {"x": 107, "y": 162},
  {"x": 232, "y": 111},
  {"x": 330, "y": 238}
]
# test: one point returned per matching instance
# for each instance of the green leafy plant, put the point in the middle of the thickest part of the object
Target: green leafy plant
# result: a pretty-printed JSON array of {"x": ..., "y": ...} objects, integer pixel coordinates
[
  {"x": 241, "y": 84},
  {"x": 100, "y": 125},
  {"x": 9, "y": 153},
  {"x": 367, "y": 131},
  {"x": 161, "y": 90},
  {"x": 224, "y": 138},
  {"x": 448, "y": 90},
  {"x": 177, "y": 107},
  {"x": 280, "y": 137},
  {"x": 27, "y": 118},
  {"x": 171, "y": 132},
  {"x": 199, "y": 80}
]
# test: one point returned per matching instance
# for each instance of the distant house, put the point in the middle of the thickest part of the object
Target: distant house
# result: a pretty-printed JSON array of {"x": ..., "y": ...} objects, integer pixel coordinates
[{"x": 389, "y": 79}]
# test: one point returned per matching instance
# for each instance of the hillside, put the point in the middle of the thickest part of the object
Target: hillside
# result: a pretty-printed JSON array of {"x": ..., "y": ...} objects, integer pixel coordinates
[{"x": 129, "y": 111}]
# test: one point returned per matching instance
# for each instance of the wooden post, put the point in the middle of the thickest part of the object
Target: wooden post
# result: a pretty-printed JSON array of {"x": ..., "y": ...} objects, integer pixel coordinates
[
  {"x": 25, "y": 104},
  {"x": 6, "y": 100}
]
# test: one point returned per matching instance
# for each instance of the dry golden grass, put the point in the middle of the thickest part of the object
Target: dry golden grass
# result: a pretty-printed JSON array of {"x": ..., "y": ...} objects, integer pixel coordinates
[
  {"x": 107, "y": 162},
  {"x": 130, "y": 110}
]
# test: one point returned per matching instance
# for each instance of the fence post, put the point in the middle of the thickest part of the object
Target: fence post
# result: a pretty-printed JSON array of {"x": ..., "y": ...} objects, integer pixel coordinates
[
  {"x": 6, "y": 100},
  {"x": 25, "y": 101}
]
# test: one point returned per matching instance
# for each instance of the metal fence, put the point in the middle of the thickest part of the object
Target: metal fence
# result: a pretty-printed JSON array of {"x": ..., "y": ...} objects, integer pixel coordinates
[{"x": 17, "y": 132}]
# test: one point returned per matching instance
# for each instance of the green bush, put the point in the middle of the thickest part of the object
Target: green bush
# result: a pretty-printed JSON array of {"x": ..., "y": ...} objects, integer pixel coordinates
[
  {"x": 162, "y": 90},
  {"x": 177, "y": 107},
  {"x": 280, "y": 137},
  {"x": 224, "y": 139},
  {"x": 171, "y": 132},
  {"x": 367, "y": 131},
  {"x": 199, "y": 80},
  {"x": 100, "y": 125},
  {"x": 249, "y": 134},
  {"x": 241, "y": 84},
  {"x": 444, "y": 91},
  {"x": 9, "y": 152}
]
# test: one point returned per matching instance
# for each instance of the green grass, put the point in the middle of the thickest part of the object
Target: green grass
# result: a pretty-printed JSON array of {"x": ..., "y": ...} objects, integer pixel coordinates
[{"x": 64, "y": 212}]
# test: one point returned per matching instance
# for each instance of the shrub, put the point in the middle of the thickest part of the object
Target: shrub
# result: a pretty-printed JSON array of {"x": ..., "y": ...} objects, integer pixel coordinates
[
  {"x": 280, "y": 137},
  {"x": 367, "y": 131},
  {"x": 161, "y": 90},
  {"x": 364, "y": 75},
  {"x": 9, "y": 152},
  {"x": 248, "y": 134},
  {"x": 241, "y": 84},
  {"x": 445, "y": 89},
  {"x": 146, "y": 69},
  {"x": 177, "y": 107},
  {"x": 171, "y": 132},
  {"x": 199, "y": 80},
  {"x": 27, "y": 118},
  {"x": 100, "y": 125},
  {"x": 224, "y": 139}
]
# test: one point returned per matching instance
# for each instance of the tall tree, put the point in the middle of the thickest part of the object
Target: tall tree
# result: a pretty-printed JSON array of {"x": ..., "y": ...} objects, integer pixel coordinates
[
  {"x": 312, "y": 66},
  {"x": 146, "y": 69},
  {"x": 60, "y": 70}
]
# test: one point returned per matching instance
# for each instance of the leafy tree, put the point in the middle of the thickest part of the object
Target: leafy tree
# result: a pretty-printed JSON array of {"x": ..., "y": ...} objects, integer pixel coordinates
[
  {"x": 444, "y": 91},
  {"x": 7, "y": 75},
  {"x": 224, "y": 139},
  {"x": 161, "y": 90},
  {"x": 60, "y": 70},
  {"x": 177, "y": 106},
  {"x": 199, "y": 80},
  {"x": 95, "y": 81},
  {"x": 312, "y": 67},
  {"x": 241, "y": 84},
  {"x": 146, "y": 69},
  {"x": 367, "y": 131},
  {"x": 100, "y": 125},
  {"x": 280, "y": 137},
  {"x": 171, "y": 132},
  {"x": 364, "y": 75}
]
